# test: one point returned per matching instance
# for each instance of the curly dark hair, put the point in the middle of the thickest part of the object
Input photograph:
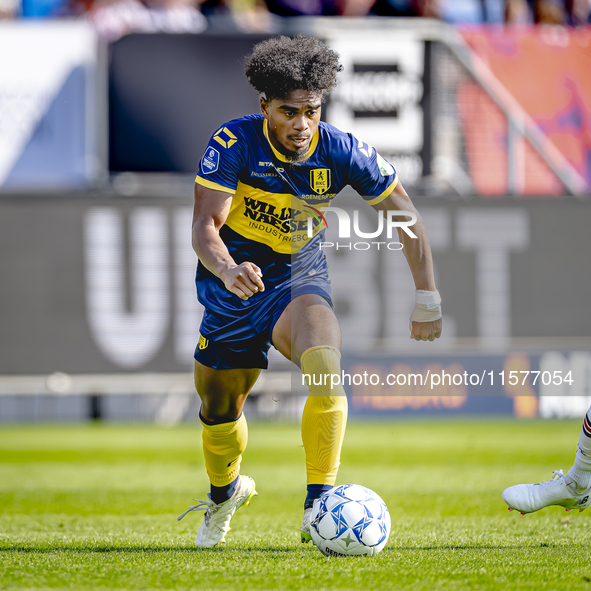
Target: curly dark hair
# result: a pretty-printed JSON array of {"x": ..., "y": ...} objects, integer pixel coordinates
[{"x": 283, "y": 64}]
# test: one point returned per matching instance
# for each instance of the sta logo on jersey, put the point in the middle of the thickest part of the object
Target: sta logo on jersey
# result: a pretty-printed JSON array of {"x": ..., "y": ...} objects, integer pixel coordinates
[
  {"x": 320, "y": 180},
  {"x": 225, "y": 137}
]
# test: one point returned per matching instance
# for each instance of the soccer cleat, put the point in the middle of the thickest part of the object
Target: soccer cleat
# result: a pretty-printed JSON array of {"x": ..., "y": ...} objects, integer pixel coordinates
[
  {"x": 305, "y": 531},
  {"x": 560, "y": 490},
  {"x": 216, "y": 521}
]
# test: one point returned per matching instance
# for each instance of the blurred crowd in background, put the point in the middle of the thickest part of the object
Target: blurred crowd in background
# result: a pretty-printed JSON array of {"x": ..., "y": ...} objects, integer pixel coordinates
[{"x": 115, "y": 18}]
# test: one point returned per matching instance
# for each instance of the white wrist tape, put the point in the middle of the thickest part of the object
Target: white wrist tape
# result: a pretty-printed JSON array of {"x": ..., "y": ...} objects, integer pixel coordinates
[{"x": 427, "y": 306}]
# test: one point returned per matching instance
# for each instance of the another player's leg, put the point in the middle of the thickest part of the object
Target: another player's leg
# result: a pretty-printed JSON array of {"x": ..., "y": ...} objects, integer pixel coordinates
[
  {"x": 308, "y": 333},
  {"x": 225, "y": 434},
  {"x": 572, "y": 491}
]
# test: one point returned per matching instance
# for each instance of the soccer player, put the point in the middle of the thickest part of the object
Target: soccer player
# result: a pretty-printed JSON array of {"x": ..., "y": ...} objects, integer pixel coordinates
[
  {"x": 263, "y": 280},
  {"x": 572, "y": 491}
]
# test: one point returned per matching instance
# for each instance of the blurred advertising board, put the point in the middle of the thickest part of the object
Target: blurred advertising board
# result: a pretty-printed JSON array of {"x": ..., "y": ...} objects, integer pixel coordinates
[
  {"x": 526, "y": 385},
  {"x": 546, "y": 70},
  {"x": 169, "y": 93},
  {"x": 382, "y": 95},
  {"x": 106, "y": 284},
  {"x": 162, "y": 116},
  {"x": 402, "y": 91},
  {"x": 48, "y": 112}
]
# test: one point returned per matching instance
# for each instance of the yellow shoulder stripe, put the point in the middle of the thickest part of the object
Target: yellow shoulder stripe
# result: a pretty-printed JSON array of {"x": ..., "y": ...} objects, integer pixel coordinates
[
  {"x": 387, "y": 192},
  {"x": 211, "y": 185}
]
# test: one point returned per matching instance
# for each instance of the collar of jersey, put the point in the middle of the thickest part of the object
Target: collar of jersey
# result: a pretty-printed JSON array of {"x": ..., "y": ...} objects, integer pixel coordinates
[{"x": 280, "y": 156}]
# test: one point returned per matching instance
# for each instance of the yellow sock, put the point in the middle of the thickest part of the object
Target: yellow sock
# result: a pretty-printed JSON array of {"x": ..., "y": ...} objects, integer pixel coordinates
[
  {"x": 325, "y": 416},
  {"x": 222, "y": 447}
]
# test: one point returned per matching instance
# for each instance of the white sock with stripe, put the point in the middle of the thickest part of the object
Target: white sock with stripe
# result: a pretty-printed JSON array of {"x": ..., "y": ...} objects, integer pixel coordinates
[{"x": 581, "y": 471}]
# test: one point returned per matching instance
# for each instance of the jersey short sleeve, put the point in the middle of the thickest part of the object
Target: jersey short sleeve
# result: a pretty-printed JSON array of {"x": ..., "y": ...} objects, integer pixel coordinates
[
  {"x": 369, "y": 174},
  {"x": 223, "y": 159}
]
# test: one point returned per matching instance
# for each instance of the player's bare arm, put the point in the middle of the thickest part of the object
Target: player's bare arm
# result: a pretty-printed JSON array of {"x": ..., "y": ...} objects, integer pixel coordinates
[
  {"x": 418, "y": 255},
  {"x": 209, "y": 215}
]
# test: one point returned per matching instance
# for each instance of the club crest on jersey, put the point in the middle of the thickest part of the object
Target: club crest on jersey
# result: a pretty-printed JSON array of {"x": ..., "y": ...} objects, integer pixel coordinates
[
  {"x": 210, "y": 160},
  {"x": 225, "y": 137},
  {"x": 203, "y": 342},
  {"x": 320, "y": 180}
]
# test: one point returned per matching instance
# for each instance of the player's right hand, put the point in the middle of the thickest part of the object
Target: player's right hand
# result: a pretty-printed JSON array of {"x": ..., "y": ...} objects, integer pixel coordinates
[{"x": 244, "y": 280}]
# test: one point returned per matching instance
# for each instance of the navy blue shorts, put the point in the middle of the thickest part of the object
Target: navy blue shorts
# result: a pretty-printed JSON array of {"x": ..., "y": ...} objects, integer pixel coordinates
[{"x": 242, "y": 339}]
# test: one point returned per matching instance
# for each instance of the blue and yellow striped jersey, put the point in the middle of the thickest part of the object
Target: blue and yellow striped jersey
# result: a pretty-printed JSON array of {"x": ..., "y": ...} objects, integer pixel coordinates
[{"x": 273, "y": 198}]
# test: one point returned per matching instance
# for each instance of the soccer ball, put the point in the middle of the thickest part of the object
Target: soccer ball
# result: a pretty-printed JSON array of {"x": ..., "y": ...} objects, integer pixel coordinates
[{"x": 351, "y": 520}]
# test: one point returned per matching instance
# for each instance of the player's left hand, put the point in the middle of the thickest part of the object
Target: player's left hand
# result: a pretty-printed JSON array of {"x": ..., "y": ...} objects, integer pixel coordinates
[{"x": 425, "y": 331}]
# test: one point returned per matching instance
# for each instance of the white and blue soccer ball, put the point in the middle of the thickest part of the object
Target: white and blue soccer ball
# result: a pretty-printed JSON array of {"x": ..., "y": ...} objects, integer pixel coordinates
[{"x": 351, "y": 520}]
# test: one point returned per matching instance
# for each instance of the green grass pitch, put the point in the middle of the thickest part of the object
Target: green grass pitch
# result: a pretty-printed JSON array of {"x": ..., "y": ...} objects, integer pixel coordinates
[{"x": 95, "y": 507}]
